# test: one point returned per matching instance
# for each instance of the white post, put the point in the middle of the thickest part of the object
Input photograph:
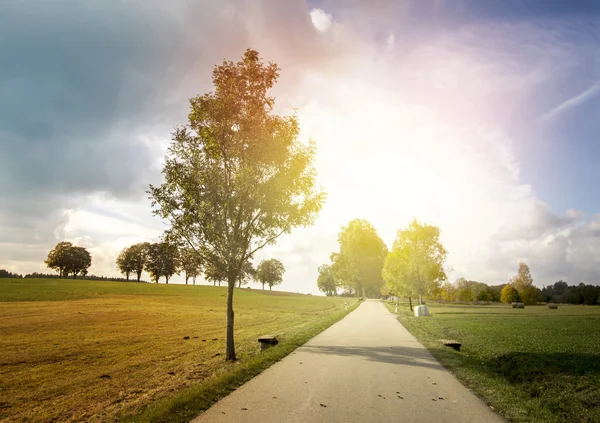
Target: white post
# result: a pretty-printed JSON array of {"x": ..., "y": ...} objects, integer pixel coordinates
[{"x": 346, "y": 305}]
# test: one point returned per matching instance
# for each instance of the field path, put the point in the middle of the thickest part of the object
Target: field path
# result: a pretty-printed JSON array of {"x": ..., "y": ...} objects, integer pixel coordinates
[{"x": 365, "y": 368}]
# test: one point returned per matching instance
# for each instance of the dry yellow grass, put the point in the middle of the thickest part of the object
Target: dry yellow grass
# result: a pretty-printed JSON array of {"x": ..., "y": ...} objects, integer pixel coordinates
[{"x": 93, "y": 359}]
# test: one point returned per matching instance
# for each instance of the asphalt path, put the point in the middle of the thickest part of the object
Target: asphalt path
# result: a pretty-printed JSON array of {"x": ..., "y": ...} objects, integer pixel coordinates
[{"x": 365, "y": 368}]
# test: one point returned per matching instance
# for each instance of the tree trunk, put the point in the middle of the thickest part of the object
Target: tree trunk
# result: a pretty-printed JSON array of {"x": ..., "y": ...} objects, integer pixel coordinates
[
  {"x": 220, "y": 283},
  {"x": 240, "y": 283},
  {"x": 166, "y": 279},
  {"x": 263, "y": 286},
  {"x": 214, "y": 283},
  {"x": 127, "y": 274},
  {"x": 410, "y": 303},
  {"x": 139, "y": 276},
  {"x": 186, "y": 278},
  {"x": 194, "y": 280},
  {"x": 74, "y": 275},
  {"x": 270, "y": 287},
  {"x": 230, "y": 346}
]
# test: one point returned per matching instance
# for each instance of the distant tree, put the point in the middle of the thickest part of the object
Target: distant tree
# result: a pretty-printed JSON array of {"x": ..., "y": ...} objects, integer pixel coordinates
[
  {"x": 270, "y": 272},
  {"x": 509, "y": 294},
  {"x": 139, "y": 257},
  {"x": 80, "y": 261},
  {"x": 342, "y": 273},
  {"x": 448, "y": 292},
  {"x": 59, "y": 257},
  {"x": 416, "y": 262},
  {"x": 361, "y": 256},
  {"x": 125, "y": 261},
  {"x": 68, "y": 259},
  {"x": 528, "y": 295},
  {"x": 463, "y": 290},
  {"x": 190, "y": 263},
  {"x": 237, "y": 176},
  {"x": 523, "y": 283},
  {"x": 6, "y": 274},
  {"x": 326, "y": 281},
  {"x": 248, "y": 273},
  {"x": 215, "y": 272},
  {"x": 162, "y": 260}
]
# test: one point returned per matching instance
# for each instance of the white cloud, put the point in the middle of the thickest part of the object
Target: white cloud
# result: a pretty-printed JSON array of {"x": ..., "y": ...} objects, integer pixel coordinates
[
  {"x": 321, "y": 20},
  {"x": 413, "y": 131}
]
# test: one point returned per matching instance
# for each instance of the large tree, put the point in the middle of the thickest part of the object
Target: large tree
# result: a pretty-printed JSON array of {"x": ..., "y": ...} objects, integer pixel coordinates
[
  {"x": 236, "y": 176},
  {"x": 125, "y": 261},
  {"x": 270, "y": 272},
  {"x": 360, "y": 260},
  {"x": 68, "y": 259},
  {"x": 415, "y": 266},
  {"x": 326, "y": 280},
  {"x": 162, "y": 260}
]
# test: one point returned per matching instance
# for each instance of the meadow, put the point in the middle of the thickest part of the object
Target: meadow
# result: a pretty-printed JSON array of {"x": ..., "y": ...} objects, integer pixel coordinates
[
  {"x": 75, "y": 350},
  {"x": 530, "y": 365}
]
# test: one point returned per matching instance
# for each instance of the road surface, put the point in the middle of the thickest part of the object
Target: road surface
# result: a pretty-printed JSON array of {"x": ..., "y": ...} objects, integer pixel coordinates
[{"x": 365, "y": 368}]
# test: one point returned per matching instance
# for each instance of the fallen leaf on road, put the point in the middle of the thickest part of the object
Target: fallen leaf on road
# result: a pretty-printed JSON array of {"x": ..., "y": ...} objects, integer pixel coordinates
[
  {"x": 244, "y": 409},
  {"x": 322, "y": 405}
]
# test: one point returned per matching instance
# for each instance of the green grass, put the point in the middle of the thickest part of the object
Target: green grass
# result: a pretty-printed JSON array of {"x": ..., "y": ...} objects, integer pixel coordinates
[
  {"x": 530, "y": 365},
  {"x": 106, "y": 351}
]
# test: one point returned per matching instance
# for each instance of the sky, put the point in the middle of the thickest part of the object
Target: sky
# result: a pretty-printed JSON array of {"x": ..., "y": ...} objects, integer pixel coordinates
[{"x": 480, "y": 117}]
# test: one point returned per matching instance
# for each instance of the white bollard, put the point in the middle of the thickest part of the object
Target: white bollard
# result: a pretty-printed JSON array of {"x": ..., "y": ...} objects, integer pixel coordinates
[{"x": 346, "y": 305}]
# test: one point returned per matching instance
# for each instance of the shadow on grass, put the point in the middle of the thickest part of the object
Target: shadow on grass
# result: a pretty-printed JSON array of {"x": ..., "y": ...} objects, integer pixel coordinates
[
  {"x": 408, "y": 356},
  {"x": 567, "y": 384}
]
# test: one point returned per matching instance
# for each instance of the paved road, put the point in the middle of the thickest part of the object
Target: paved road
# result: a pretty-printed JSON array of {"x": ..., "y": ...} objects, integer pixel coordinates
[{"x": 365, "y": 368}]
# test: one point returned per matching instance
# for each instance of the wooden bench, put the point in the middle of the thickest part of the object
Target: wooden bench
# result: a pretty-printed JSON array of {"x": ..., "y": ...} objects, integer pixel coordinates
[
  {"x": 451, "y": 343},
  {"x": 267, "y": 341}
]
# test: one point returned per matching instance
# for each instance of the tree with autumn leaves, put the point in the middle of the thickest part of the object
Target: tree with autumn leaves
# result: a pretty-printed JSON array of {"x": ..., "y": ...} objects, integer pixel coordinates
[{"x": 236, "y": 176}]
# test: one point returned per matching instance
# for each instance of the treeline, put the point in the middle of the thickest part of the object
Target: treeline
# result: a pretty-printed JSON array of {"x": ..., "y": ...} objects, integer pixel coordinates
[
  {"x": 519, "y": 289},
  {"x": 6, "y": 274},
  {"x": 35, "y": 275},
  {"x": 561, "y": 292},
  {"x": 164, "y": 259}
]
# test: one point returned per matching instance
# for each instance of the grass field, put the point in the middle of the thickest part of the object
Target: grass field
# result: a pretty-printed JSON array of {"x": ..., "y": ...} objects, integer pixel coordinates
[
  {"x": 530, "y": 365},
  {"x": 106, "y": 351}
]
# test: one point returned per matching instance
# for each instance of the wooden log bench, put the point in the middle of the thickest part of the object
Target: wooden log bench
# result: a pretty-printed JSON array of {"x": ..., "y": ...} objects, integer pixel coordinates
[
  {"x": 451, "y": 343},
  {"x": 267, "y": 341}
]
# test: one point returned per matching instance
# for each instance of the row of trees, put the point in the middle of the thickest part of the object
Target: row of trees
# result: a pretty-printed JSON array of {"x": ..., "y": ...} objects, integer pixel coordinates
[
  {"x": 164, "y": 259},
  {"x": 414, "y": 268},
  {"x": 561, "y": 292},
  {"x": 6, "y": 274},
  {"x": 364, "y": 266}
]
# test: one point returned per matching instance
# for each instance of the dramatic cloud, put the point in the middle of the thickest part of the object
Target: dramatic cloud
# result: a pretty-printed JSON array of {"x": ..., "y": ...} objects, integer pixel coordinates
[{"x": 411, "y": 118}]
